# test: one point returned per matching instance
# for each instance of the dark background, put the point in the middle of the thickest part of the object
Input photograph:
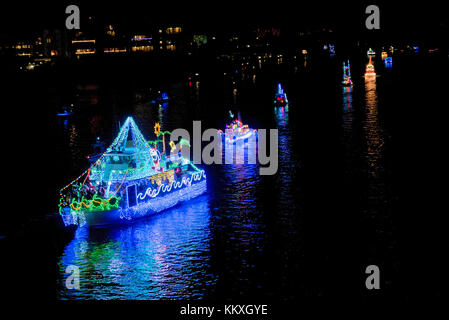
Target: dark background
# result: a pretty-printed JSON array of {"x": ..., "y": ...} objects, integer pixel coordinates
[{"x": 419, "y": 138}]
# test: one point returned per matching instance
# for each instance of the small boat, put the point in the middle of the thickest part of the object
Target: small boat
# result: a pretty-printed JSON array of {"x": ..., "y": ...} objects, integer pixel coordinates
[
  {"x": 65, "y": 111},
  {"x": 237, "y": 131},
  {"x": 369, "y": 71},
  {"x": 129, "y": 181},
  {"x": 347, "y": 81},
  {"x": 159, "y": 97},
  {"x": 371, "y": 52},
  {"x": 280, "y": 99}
]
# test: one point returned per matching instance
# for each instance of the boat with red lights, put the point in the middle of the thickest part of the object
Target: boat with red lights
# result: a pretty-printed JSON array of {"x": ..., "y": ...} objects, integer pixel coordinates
[{"x": 280, "y": 99}]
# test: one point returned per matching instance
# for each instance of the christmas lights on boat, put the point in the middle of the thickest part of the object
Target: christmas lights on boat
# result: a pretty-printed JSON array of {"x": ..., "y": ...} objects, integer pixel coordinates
[
  {"x": 280, "y": 99},
  {"x": 236, "y": 131},
  {"x": 371, "y": 52},
  {"x": 347, "y": 81},
  {"x": 131, "y": 179},
  {"x": 369, "y": 71}
]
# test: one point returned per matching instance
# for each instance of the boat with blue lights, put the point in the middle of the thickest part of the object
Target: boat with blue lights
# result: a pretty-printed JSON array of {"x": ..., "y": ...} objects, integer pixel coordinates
[
  {"x": 159, "y": 97},
  {"x": 280, "y": 99},
  {"x": 130, "y": 180},
  {"x": 237, "y": 131},
  {"x": 65, "y": 111}
]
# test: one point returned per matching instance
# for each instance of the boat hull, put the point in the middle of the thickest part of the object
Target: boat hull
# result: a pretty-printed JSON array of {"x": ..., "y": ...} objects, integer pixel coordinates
[{"x": 140, "y": 210}]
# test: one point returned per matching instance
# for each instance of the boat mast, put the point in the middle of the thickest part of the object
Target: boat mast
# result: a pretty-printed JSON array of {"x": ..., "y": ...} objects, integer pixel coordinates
[{"x": 349, "y": 71}]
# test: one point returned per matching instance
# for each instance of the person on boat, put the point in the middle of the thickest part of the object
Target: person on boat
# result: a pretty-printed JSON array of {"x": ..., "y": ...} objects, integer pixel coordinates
[{"x": 101, "y": 191}]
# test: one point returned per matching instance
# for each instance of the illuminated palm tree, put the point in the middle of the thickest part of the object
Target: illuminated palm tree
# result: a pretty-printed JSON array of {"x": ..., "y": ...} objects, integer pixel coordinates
[
  {"x": 158, "y": 132},
  {"x": 163, "y": 139}
]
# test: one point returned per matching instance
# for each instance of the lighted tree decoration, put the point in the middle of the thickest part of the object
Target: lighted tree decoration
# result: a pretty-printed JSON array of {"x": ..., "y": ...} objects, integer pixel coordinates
[{"x": 158, "y": 132}]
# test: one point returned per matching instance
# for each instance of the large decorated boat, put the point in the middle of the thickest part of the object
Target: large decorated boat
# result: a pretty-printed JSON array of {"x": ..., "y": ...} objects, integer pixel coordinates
[
  {"x": 129, "y": 181},
  {"x": 237, "y": 131},
  {"x": 280, "y": 99}
]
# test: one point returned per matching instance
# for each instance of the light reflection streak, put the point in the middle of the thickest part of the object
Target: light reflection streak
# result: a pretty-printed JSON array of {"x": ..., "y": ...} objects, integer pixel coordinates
[
  {"x": 373, "y": 133},
  {"x": 164, "y": 257}
]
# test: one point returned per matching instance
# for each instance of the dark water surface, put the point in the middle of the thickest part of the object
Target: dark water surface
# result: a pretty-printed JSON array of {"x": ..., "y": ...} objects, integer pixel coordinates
[{"x": 311, "y": 229}]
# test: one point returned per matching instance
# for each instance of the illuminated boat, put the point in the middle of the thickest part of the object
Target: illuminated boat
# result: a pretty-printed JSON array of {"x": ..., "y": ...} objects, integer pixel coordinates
[
  {"x": 369, "y": 71},
  {"x": 65, "y": 111},
  {"x": 237, "y": 131},
  {"x": 280, "y": 99},
  {"x": 371, "y": 52},
  {"x": 388, "y": 62},
  {"x": 347, "y": 81},
  {"x": 129, "y": 181},
  {"x": 160, "y": 97}
]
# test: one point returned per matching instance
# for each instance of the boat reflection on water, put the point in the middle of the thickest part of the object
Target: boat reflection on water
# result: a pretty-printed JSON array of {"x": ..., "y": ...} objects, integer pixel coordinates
[
  {"x": 347, "y": 126},
  {"x": 347, "y": 99},
  {"x": 243, "y": 151},
  {"x": 372, "y": 129},
  {"x": 164, "y": 257},
  {"x": 281, "y": 114}
]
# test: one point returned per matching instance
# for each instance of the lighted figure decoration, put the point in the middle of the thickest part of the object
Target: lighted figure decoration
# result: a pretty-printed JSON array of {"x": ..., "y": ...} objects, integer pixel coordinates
[
  {"x": 371, "y": 52},
  {"x": 156, "y": 157},
  {"x": 369, "y": 72},
  {"x": 388, "y": 62},
  {"x": 383, "y": 55},
  {"x": 331, "y": 49},
  {"x": 172, "y": 146},
  {"x": 347, "y": 81},
  {"x": 236, "y": 131},
  {"x": 130, "y": 180},
  {"x": 280, "y": 99}
]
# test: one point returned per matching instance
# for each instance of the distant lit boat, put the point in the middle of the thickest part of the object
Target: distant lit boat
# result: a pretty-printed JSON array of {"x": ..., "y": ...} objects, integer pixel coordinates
[
  {"x": 238, "y": 131},
  {"x": 370, "y": 72},
  {"x": 331, "y": 50},
  {"x": 160, "y": 97},
  {"x": 388, "y": 62},
  {"x": 371, "y": 52},
  {"x": 65, "y": 111},
  {"x": 384, "y": 55},
  {"x": 129, "y": 181},
  {"x": 347, "y": 81},
  {"x": 280, "y": 99}
]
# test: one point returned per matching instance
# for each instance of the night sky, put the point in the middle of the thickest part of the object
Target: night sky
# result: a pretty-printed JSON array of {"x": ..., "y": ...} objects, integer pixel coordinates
[{"x": 404, "y": 20}]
